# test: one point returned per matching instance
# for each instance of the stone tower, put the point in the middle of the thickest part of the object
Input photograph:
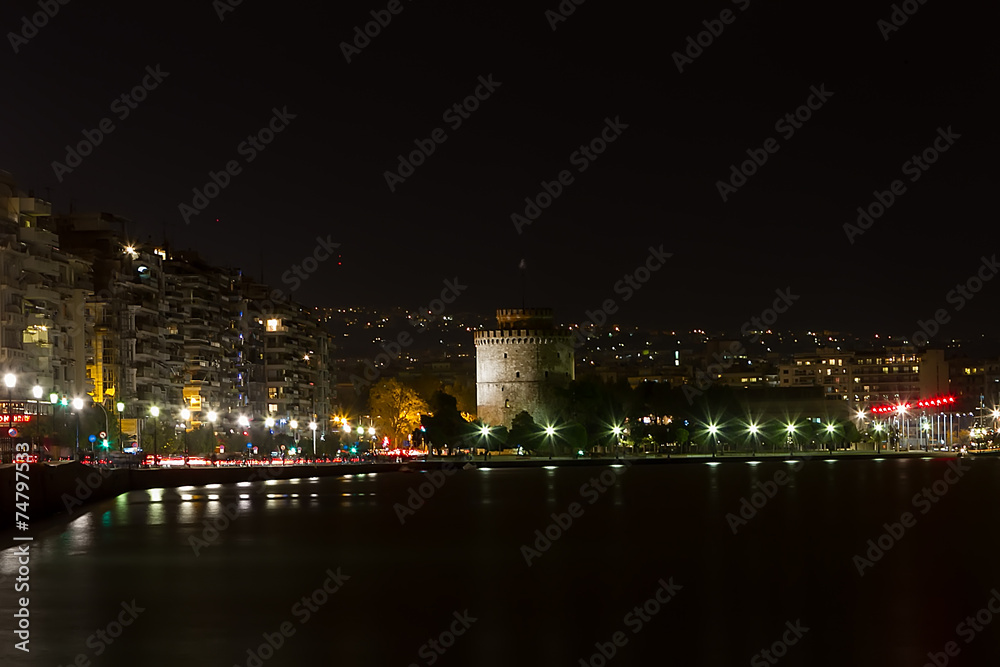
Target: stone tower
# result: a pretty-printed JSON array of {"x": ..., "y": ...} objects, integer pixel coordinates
[{"x": 519, "y": 362}]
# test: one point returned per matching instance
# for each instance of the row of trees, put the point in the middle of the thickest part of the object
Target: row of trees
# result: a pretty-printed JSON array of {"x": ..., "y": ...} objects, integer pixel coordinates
[{"x": 584, "y": 413}]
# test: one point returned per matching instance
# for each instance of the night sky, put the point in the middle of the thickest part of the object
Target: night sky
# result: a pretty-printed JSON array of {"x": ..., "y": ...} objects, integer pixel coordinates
[{"x": 656, "y": 184}]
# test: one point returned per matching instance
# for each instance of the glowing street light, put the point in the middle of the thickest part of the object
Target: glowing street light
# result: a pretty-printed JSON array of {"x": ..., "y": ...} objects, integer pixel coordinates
[
  {"x": 753, "y": 429},
  {"x": 713, "y": 430},
  {"x": 347, "y": 427},
  {"x": 243, "y": 421},
  {"x": 549, "y": 432},
  {"x": 185, "y": 414},
  {"x": 269, "y": 422},
  {"x": 78, "y": 404},
  {"x": 155, "y": 412},
  {"x": 312, "y": 427},
  {"x": 212, "y": 416}
]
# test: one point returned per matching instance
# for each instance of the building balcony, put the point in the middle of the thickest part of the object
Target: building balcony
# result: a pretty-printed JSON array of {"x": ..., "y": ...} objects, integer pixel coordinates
[
  {"x": 41, "y": 293},
  {"x": 41, "y": 265}
]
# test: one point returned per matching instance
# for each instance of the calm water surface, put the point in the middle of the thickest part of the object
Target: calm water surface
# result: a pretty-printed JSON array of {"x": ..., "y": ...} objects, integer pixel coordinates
[{"x": 402, "y": 584}]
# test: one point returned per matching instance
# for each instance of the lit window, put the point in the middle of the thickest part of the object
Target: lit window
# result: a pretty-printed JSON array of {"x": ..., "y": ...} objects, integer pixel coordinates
[{"x": 272, "y": 325}]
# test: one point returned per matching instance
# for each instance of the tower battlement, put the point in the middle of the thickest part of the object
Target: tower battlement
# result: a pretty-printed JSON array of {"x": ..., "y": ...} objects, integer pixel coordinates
[{"x": 526, "y": 318}]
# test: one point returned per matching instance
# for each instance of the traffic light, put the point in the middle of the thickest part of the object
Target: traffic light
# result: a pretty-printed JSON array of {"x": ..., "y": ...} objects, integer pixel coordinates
[{"x": 354, "y": 450}]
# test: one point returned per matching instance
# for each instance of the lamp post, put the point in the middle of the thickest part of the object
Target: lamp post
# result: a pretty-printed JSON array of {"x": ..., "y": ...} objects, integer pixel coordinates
[
  {"x": 791, "y": 439},
  {"x": 754, "y": 429},
  {"x": 294, "y": 425},
  {"x": 617, "y": 431},
  {"x": 185, "y": 416},
  {"x": 77, "y": 407},
  {"x": 550, "y": 433},
  {"x": 212, "y": 417},
  {"x": 484, "y": 430},
  {"x": 155, "y": 412},
  {"x": 9, "y": 380},
  {"x": 120, "y": 408},
  {"x": 713, "y": 430},
  {"x": 830, "y": 430},
  {"x": 36, "y": 393},
  {"x": 312, "y": 427}
]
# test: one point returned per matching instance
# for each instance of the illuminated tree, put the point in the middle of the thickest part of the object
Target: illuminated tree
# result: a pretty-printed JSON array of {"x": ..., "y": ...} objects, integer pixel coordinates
[{"x": 396, "y": 409}]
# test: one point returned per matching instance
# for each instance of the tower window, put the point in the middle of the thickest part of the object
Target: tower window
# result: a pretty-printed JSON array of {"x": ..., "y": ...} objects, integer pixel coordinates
[
  {"x": 504, "y": 355},
  {"x": 546, "y": 373},
  {"x": 506, "y": 403},
  {"x": 517, "y": 374}
]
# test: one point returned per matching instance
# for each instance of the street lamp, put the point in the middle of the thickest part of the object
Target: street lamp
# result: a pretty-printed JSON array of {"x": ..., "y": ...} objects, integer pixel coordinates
[
  {"x": 713, "y": 430},
  {"x": 9, "y": 380},
  {"x": 185, "y": 416},
  {"x": 550, "y": 432},
  {"x": 753, "y": 429},
  {"x": 36, "y": 393},
  {"x": 77, "y": 407},
  {"x": 617, "y": 431},
  {"x": 484, "y": 431},
  {"x": 121, "y": 436},
  {"x": 155, "y": 412},
  {"x": 312, "y": 427},
  {"x": 790, "y": 428},
  {"x": 830, "y": 429}
]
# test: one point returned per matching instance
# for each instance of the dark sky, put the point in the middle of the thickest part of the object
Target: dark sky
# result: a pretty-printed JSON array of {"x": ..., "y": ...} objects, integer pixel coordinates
[{"x": 656, "y": 184}]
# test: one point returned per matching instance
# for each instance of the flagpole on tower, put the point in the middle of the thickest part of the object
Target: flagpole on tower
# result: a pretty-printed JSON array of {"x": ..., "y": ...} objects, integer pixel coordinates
[{"x": 523, "y": 266}]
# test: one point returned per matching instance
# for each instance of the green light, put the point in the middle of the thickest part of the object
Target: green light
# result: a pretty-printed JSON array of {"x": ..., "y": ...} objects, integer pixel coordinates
[{"x": 64, "y": 402}]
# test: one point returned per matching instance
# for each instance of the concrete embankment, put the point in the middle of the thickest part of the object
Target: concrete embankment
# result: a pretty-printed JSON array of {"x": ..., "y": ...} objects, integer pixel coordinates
[{"x": 53, "y": 488}]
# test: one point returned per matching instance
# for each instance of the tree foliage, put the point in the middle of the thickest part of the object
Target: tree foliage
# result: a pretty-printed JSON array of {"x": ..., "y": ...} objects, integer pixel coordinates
[{"x": 396, "y": 409}]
